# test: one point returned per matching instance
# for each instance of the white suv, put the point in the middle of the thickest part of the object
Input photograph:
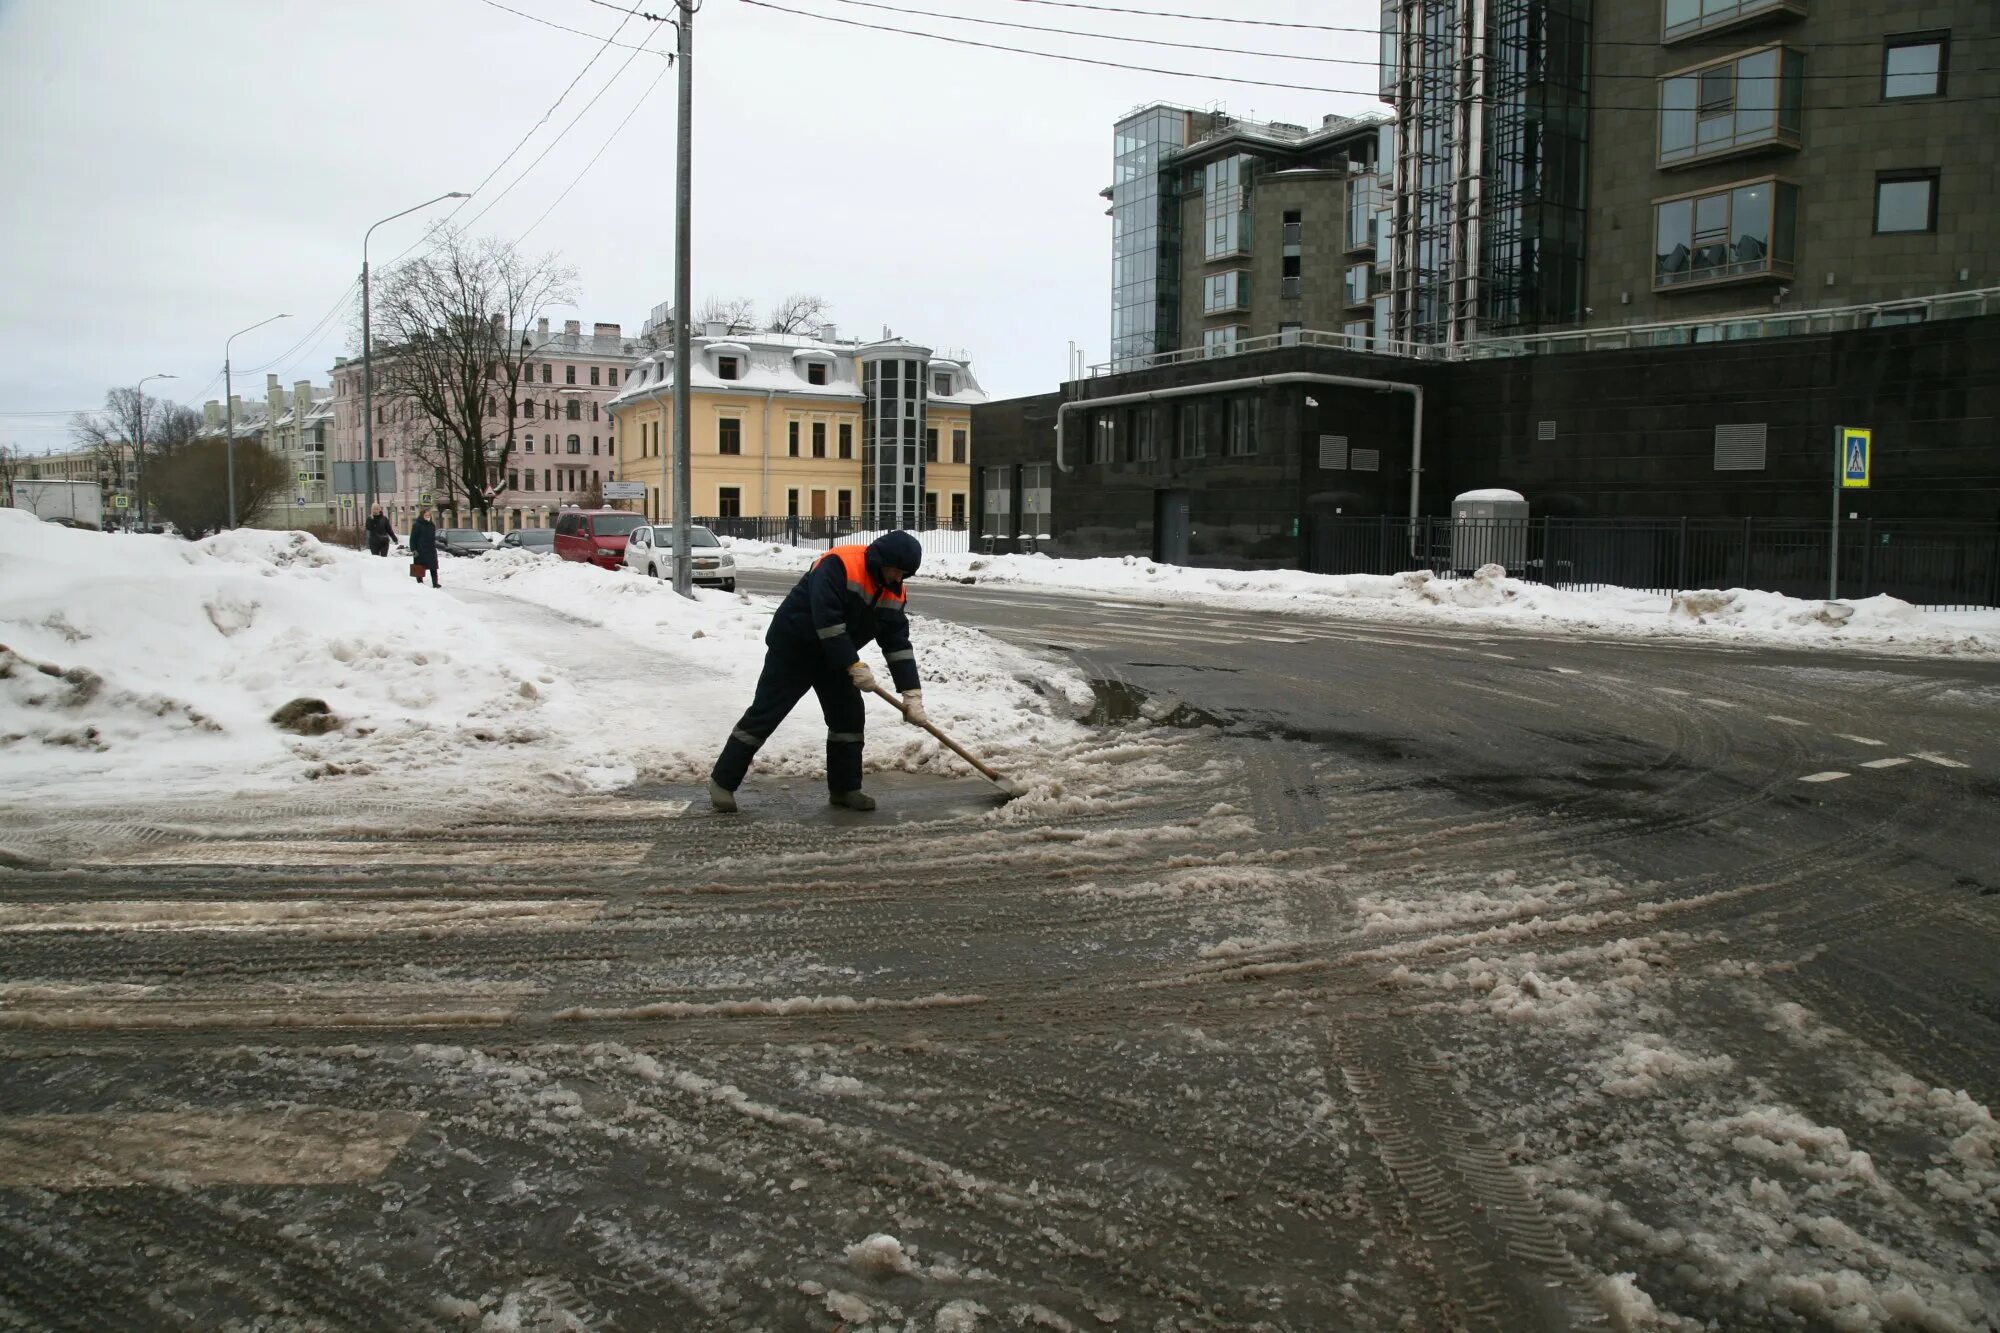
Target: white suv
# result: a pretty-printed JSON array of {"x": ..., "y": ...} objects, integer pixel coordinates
[{"x": 650, "y": 551}]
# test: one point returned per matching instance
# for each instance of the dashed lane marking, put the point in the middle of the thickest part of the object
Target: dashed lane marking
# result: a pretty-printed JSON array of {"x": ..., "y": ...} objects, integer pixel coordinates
[
  {"x": 1938, "y": 759},
  {"x": 1719, "y": 703},
  {"x": 1788, "y": 721},
  {"x": 1566, "y": 671},
  {"x": 1502, "y": 656},
  {"x": 1858, "y": 740},
  {"x": 1885, "y": 763},
  {"x": 1824, "y": 777},
  {"x": 1668, "y": 689}
]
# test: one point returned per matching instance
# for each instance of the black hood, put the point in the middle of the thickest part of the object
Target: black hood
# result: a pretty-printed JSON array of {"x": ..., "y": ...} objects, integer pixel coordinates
[{"x": 894, "y": 548}]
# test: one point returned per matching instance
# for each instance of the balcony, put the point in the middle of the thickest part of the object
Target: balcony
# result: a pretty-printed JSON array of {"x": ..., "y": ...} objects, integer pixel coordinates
[
  {"x": 1748, "y": 103},
  {"x": 1684, "y": 19},
  {"x": 1737, "y": 234}
]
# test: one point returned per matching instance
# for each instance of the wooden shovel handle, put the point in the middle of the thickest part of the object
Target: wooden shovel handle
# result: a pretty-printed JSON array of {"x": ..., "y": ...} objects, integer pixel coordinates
[{"x": 943, "y": 739}]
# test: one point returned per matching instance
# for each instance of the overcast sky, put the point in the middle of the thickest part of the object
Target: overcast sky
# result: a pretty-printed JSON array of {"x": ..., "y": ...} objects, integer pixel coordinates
[{"x": 175, "y": 172}]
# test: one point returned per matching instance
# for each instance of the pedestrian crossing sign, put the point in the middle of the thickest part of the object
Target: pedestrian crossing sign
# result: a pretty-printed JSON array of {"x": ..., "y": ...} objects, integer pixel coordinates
[{"x": 1856, "y": 444}]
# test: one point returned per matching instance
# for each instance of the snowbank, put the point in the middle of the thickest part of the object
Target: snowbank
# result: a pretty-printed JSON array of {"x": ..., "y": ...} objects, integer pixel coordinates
[
  {"x": 138, "y": 668},
  {"x": 1489, "y": 599}
]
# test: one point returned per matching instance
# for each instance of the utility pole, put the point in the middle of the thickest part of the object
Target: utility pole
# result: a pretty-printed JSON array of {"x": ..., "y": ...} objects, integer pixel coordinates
[
  {"x": 229, "y": 410},
  {"x": 683, "y": 305}
]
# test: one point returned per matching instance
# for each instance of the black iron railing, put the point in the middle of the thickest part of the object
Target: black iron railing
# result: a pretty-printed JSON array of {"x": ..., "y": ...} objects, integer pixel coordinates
[{"x": 941, "y": 537}]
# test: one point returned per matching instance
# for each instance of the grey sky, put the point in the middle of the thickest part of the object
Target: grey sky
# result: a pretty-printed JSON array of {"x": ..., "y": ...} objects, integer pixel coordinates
[{"x": 178, "y": 171}]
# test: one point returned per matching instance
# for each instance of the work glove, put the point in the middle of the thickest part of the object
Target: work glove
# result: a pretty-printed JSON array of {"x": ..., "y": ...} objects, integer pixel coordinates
[
  {"x": 913, "y": 708},
  {"x": 863, "y": 678}
]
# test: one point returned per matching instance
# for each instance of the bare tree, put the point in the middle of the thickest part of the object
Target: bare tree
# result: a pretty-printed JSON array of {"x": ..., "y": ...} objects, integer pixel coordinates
[
  {"x": 735, "y": 311},
  {"x": 113, "y": 433},
  {"x": 191, "y": 489},
  {"x": 453, "y": 348},
  {"x": 10, "y": 468},
  {"x": 799, "y": 313}
]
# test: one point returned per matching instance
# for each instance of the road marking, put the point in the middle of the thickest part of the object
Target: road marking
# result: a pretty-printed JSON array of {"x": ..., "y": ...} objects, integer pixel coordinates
[
  {"x": 1885, "y": 763},
  {"x": 1719, "y": 703},
  {"x": 1824, "y": 777},
  {"x": 1938, "y": 759},
  {"x": 1502, "y": 656},
  {"x": 1858, "y": 740},
  {"x": 1780, "y": 717},
  {"x": 1668, "y": 689},
  {"x": 1567, "y": 671}
]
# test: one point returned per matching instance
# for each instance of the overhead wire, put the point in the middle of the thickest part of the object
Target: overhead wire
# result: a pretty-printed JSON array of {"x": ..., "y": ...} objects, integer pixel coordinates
[
  {"x": 608, "y": 141},
  {"x": 1370, "y": 93},
  {"x": 548, "y": 23}
]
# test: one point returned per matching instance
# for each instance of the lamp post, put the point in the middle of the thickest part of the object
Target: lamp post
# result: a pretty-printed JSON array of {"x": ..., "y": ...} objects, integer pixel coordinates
[
  {"x": 229, "y": 409},
  {"x": 139, "y": 448},
  {"x": 683, "y": 298},
  {"x": 368, "y": 355}
]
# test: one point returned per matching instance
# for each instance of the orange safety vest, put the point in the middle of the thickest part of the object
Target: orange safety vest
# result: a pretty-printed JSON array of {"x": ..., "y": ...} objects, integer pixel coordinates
[{"x": 862, "y": 583}]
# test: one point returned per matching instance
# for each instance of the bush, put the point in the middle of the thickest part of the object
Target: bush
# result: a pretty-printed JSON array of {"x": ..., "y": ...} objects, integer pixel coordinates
[{"x": 335, "y": 534}]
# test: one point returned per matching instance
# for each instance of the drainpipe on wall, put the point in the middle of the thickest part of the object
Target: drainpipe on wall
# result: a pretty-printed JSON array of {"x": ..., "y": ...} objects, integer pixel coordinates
[{"x": 1416, "y": 392}]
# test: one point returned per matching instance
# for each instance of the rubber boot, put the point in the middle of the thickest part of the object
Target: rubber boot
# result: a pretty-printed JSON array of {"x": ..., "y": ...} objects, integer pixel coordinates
[
  {"x": 723, "y": 799},
  {"x": 852, "y": 800}
]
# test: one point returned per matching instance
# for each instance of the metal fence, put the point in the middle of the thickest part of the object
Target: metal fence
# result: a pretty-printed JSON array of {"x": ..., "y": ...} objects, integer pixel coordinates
[
  {"x": 1941, "y": 566},
  {"x": 943, "y": 538}
]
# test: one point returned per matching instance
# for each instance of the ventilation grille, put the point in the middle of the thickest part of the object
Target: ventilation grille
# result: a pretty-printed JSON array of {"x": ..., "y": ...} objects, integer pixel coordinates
[
  {"x": 1366, "y": 460},
  {"x": 1740, "y": 448},
  {"x": 1545, "y": 430},
  {"x": 1333, "y": 452}
]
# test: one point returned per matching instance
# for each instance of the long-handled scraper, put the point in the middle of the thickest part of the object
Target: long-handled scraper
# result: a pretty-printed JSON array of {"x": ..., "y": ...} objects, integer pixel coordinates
[{"x": 1008, "y": 787}]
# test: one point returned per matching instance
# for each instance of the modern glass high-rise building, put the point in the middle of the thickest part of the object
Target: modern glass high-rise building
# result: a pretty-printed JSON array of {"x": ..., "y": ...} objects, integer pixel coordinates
[{"x": 1145, "y": 231}]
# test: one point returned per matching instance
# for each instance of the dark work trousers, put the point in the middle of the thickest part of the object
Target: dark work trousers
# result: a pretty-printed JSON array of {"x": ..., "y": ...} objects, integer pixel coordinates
[{"x": 788, "y": 674}]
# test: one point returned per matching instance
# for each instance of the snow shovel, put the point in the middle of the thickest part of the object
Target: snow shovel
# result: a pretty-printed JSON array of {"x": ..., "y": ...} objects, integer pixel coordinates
[{"x": 1009, "y": 788}]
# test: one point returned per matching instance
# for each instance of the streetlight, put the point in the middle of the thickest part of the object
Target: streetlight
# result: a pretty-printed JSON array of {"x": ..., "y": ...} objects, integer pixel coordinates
[
  {"x": 139, "y": 448},
  {"x": 229, "y": 409},
  {"x": 368, "y": 356}
]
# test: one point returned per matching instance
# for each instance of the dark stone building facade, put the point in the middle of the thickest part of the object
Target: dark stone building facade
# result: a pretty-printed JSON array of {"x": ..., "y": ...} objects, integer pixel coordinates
[{"x": 1721, "y": 430}]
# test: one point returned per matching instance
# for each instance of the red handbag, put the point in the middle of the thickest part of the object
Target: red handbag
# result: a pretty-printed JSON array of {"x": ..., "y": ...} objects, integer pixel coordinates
[{"x": 416, "y": 570}]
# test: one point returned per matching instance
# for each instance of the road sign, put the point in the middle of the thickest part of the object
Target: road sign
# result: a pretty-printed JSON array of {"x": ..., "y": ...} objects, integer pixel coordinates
[
  {"x": 1856, "y": 455},
  {"x": 118, "y": 502},
  {"x": 624, "y": 490},
  {"x": 299, "y": 501},
  {"x": 423, "y": 497},
  {"x": 304, "y": 477}
]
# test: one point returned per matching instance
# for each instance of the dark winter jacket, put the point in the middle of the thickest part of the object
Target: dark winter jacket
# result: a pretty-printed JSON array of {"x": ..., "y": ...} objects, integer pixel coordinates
[
  {"x": 379, "y": 529},
  {"x": 842, "y": 604},
  {"x": 424, "y": 542}
]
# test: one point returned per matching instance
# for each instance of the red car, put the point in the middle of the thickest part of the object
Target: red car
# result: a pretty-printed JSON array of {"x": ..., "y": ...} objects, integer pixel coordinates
[{"x": 595, "y": 536}]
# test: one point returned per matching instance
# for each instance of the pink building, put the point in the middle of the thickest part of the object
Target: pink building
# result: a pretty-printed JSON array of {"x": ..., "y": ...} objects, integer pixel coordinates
[{"x": 564, "y": 447}]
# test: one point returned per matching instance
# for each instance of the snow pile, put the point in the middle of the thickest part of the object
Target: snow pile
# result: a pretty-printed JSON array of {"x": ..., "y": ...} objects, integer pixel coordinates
[
  {"x": 1487, "y": 599},
  {"x": 140, "y": 666},
  {"x": 880, "y": 1255}
]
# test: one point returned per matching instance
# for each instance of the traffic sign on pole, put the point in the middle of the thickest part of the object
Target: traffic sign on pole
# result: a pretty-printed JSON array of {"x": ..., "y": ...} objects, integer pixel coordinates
[{"x": 1856, "y": 456}]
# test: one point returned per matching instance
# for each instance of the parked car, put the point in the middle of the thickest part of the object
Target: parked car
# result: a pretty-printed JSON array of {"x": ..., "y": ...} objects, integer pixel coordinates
[
  {"x": 495, "y": 539},
  {"x": 650, "y": 551},
  {"x": 542, "y": 541},
  {"x": 463, "y": 541},
  {"x": 595, "y": 536}
]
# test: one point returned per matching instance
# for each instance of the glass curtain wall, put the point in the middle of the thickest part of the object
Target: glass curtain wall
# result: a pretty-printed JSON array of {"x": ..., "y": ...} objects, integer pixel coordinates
[
  {"x": 892, "y": 434},
  {"x": 1532, "y": 232},
  {"x": 1145, "y": 235}
]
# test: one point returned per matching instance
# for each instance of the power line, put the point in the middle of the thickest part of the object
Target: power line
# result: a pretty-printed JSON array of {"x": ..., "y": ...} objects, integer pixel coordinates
[
  {"x": 1370, "y": 93},
  {"x": 657, "y": 18},
  {"x": 547, "y": 23},
  {"x": 609, "y": 140},
  {"x": 1207, "y": 47},
  {"x": 1372, "y": 32},
  {"x": 525, "y": 171}
]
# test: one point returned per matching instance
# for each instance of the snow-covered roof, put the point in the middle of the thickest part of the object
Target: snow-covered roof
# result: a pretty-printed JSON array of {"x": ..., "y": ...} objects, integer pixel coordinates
[{"x": 776, "y": 363}]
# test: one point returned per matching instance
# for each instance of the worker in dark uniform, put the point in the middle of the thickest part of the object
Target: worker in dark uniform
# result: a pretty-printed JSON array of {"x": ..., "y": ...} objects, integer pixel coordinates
[{"x": 851, "y": 595}]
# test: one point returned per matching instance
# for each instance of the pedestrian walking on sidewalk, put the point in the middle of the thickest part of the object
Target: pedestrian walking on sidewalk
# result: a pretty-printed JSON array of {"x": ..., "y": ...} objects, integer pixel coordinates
[
  {"x": 380, "y": 535},
  {"x": 424, "y": 547},
  {"x": 851, "y": 596}
]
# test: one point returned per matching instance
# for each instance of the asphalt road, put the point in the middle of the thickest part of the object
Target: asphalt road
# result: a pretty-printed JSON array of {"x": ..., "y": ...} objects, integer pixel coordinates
[{"x": 1345, "y": 976}]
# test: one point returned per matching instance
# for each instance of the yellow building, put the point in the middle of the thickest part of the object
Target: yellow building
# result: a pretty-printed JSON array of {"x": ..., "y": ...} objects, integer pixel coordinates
[{"x": 876, "y": 434}]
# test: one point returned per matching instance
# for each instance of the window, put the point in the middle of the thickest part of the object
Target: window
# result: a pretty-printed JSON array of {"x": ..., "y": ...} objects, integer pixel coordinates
[
  {"x": 1225, "y": 291},
  {"x": 1688, "y": 18},
  {"x": 792, "y": 502},
  {"x": 1354, "y": 290},
  {"x": 593, "y": 374},
  {"x": 725, "y": 367},
  {"x": 569, "y": 374},
  {"x": 1222, "y": 341},
  {"x": 958, "y": 446},
  {"x": 593, "y": 446},
  {"x": 527, "y": 409},
  {"x": 527, "y": 444},
  {"x": 930, "y": 510},
  {"x": 847, "y": 439},
  {"x": 1187, "y": 433},
  {"x": 1906, "y": 201},
  {"x": 844, "y": 507},
  {"x": 941, "y": 385},
  {"x": 528, "y": 480},
  {"x": 729, "y": 502},
  {"x": 815, "y": 372},
  {"x": 575, "y": 412},
  {"x": 1358, "y": 332},
  {"x": 576, "y": 444},
  {"x": 548, "y": 373},
  {"x": 930, "y": 444},
  {"x": 1294, "y": 232},
  {"x": 958, "y": 509},
  {"x": 729, "y": 435},
  {"x": 545, "y": 480},
  {"x": 1752, "y": 100},
  {"x": 1737, "y": 232},
  {"x": 1913, "y": 65},
  {"x": 1103, "y": 437},
  {"x": 1246, "y": 418},
  {"x": 997, "y": 484},
  {"x": 593, "y": 411},
  {"x": 819, "y": 439},
  {"x": 1035, "y": 494}
]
